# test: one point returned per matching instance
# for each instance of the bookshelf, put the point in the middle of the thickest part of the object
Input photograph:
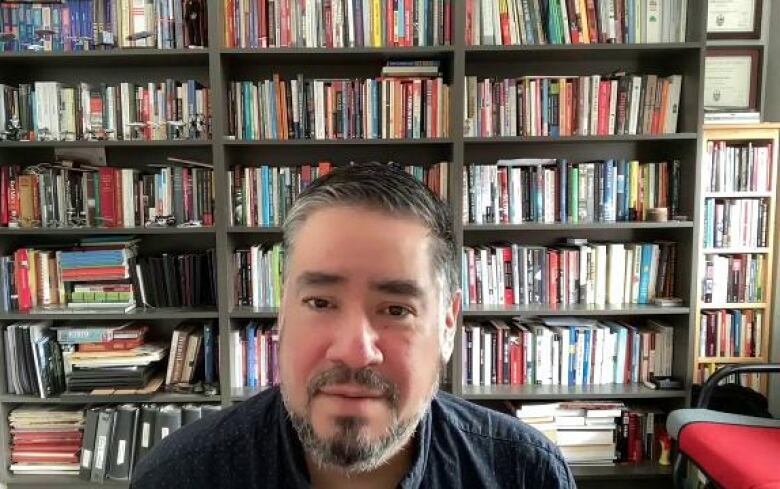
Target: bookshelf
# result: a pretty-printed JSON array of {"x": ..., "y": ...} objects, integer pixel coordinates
[
  {"x": 216, "y": 66},
  {"x": 758, "y": 134}
]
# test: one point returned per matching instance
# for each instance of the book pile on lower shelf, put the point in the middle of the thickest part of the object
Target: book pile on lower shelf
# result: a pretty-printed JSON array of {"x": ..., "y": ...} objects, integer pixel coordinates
[
  {"x": 45, "y": 440},
  {"x": 565, "y": 351},
  {"x": 596, "y": 433},
  {"x": 575, "y": 272},
  {"x": 255, "y": 355},
  {"x": 75, "y": 358},
  {"x": 262, "y": 195},
  {"x": 94, "y": 443},
  {"x": 544, "y": 190}
]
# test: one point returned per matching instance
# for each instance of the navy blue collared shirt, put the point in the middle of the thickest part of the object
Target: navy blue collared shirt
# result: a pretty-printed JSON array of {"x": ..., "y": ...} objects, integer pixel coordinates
[{"x": 253, "y": 445}]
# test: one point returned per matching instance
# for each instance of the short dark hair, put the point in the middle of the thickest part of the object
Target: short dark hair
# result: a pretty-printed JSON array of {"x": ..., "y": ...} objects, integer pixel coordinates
[{"x": 386, "y": 188}]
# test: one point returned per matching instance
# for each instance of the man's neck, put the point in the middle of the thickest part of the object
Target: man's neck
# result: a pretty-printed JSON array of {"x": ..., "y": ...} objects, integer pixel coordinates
[{"x": 388, "y": 475}]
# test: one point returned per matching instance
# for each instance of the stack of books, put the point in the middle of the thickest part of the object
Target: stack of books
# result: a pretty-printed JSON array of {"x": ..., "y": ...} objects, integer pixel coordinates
[
  {"x": 734, "y": 278},
  {"x": 116, "y": 438},
  {"x": 132, "y": 369},
  {"x": 33, "y": 359},
  {"x": 45, "y": 440},
  {"x": 98, "y": 274}
]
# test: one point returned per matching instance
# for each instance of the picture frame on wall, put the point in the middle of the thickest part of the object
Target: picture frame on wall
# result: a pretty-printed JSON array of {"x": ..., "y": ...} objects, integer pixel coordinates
[
  {"x": 732, "y": 79},
  {"x": 734, "y": 19}
]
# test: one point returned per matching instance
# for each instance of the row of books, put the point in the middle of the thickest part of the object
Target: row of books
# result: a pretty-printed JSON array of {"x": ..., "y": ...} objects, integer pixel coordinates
[
  {"x": 565, "y": 351},
  {"x": 81, "y": 25},
  {"x": 587, "y": 273},
  {"x": 737, "y": 278},
  {"x": 600, "y": 432},
  {"x": 738, "y": 167},
  {"x": 734, "y": 223},
  {"x": 337, "y": 23},
  {"x": 104, "y": 278},
  {"x": 754, "y": 381},
  {"x": 379, "y": 108},
  {"x": 591, "y": 105},
  {"x": 63, "y": 195},
  {"x": 45, "y": 440},
  {"x": 54, "y": 111},
  {"x": 258, "y": 275},
  {"x": 255, "y": 355},
  {"x": 731, "y": 333},
  {"x": 263, "y": 195},
  {"x": 515, "y": 191},
  {"x": 512, "y": 22}
]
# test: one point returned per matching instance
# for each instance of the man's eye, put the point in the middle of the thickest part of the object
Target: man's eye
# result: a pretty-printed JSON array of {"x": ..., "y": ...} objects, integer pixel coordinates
[
  {"x": 397, "y": 311},
  {"x": 317, "y": 303}
]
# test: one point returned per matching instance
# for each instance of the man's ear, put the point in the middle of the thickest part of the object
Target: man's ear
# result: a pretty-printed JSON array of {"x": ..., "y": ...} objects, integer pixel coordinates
[{"x": 451, "y": 313}]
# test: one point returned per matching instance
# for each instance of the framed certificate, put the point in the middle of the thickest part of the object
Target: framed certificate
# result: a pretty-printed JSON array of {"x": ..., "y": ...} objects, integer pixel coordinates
[
  {"x": 733, "y": 19},
  {"x": 731, "y": 79}
]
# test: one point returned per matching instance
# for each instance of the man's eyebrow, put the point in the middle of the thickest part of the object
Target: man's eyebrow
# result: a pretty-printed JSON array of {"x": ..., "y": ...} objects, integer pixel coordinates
[
  {"x": 407, "y": 288},
  {"x": 313, "y": 279}
]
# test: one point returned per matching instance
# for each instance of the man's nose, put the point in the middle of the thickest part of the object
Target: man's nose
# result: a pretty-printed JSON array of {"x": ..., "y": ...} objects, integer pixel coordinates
[{"x": 355, "y": 341}]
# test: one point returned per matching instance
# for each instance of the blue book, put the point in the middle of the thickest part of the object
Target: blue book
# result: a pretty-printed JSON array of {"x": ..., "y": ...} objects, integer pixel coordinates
[
  {"x": 375, "y": 96},
  {"x": 644, "y": 273},
  {"x": 265, "y": 202},
  {"x": 620, "y": 204},
  {"x": 400, "y": 20},
  {"x": 245, "y": 97},
  {"x": 251, "y": 355},
  {"x": 563, "y": 172},
  {"x": 586, "y": 354},
  {"x": 572, "y": 356},
  {"x": 630, "y": 32},
  {"x": 609, "y": 188},
  {"x": 208, "y": 353},
  {"x": 635, "y": 363}
]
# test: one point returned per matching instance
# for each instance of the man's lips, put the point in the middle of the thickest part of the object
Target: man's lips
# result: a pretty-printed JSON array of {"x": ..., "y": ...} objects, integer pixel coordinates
[{"x": 351, "y": 391}]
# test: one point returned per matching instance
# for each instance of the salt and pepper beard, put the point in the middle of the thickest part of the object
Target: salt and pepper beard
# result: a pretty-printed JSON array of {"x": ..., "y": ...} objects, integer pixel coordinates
[{"x": 350, "y": 451}]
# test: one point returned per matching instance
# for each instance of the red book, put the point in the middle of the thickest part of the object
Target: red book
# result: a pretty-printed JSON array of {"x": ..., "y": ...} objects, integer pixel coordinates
[
  {"x": 13, "y": 196},
  {"x": 603, "y": 120},
  {"x": 4, "y": 196},
  {"x": 49, "y": 457},
  {"x": 118, "y": 198},
  {"x": 285, "y": 30},
  {"x": 107, "y": 201},
  {"x": 619, "y": 21},
  {"x": 231, "y": 25},
  {"x": 552, "y": 293},
  {"x": 469, "y": 20},
  {"x": 46, "y": 447},
  {"x": 408, "y": 37},
  {"x": 447, "y": 22},
  {"x": 328, "y": 24},
  {"x": 506, "y": 39},
  {"x": 113, "y": 345},
  {"x": 96, "y": 273},
  {"x": 263, "y": 23},
  {"x": 509, "y": 296},
  {"x": 21, "y": 270},
  {"x": 595, "y": 33},
  {"x": 323, "y": 167},
  {"x": 146, "y": 112},
  {"x": 186, "y": 178},
  {"x": 392, "y": 8}
]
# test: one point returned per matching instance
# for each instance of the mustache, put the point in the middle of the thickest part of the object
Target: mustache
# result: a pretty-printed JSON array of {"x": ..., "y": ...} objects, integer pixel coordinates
[{"x": 365, "y": 377}]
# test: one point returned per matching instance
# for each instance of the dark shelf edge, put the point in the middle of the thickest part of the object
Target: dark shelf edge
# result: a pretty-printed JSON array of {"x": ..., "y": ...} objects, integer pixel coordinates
[
  {"x": 679, "y": 136},
  {"x": 108, "y": 53},
  {"x": 254, "y": 230},
  {"x": 162, "y": 313},
  {"x": 107, "y": 144},
  {"x": 643, "y": 470},
  {"x": 563, "y": 311},
  {"x": 88, "y": 231},
  {"x": 336, "y": 142},
  {"x": 110, "y": 398},
  {"x": 617, "y": 47},
  {"x": 324, "y": 51},
  {"x": 558, "y": 393},
  {"x": 533, "y": 226}
]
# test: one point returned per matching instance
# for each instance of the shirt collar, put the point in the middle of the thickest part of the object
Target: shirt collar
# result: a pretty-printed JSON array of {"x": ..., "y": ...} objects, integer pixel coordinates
[{"x": 295, "y": 463}]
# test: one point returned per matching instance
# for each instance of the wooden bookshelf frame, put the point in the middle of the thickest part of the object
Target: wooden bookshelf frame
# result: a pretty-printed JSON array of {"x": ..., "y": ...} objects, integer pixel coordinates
[
  {"x": 216, "y": 65},
  {"x": 765, "y": 132}
]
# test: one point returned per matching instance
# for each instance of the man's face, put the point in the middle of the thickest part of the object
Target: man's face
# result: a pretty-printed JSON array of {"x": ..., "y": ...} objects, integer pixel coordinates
[{"x": 360, "y": 318}]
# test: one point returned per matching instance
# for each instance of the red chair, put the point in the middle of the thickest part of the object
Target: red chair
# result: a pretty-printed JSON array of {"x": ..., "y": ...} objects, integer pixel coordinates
[{"x": 733, "y": 451}]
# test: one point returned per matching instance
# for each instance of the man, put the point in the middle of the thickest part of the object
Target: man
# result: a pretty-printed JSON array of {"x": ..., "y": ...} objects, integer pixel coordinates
[{"x": 367, "y": 322}]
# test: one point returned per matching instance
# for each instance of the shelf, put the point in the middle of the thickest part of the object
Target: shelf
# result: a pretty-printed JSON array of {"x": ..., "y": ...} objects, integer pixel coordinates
[
  {"x": 78, "y": 398},
  {"x": 736, "y": 195},
  {"x": 244, "y": 393},
  {"x": 735, "y": 305},
  {"x": 64, "y": 481},
  {"x": 582, "y": 49},
  {"x": 484, "y": 310},
  {"x": 739, "y": 360},
  {"x": 562, "y": 226},
  {"x": 4, "y": 231},
  {"x": 681, "y": 136},
  {"x": 275, "y": 230},
  {"x": 151, "y": 313},
  {"x": 248, "y": 312},
  {"x": 163, "y": 143},
  {"x": 109, "y": 58},
  {"x": 563, "y": 392},
  {"x": 642, "y": 470},
  {"x": 733, "y": 251},
  {"x": 336, "y": 142},
  {"x": 350, "y": 55}
]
